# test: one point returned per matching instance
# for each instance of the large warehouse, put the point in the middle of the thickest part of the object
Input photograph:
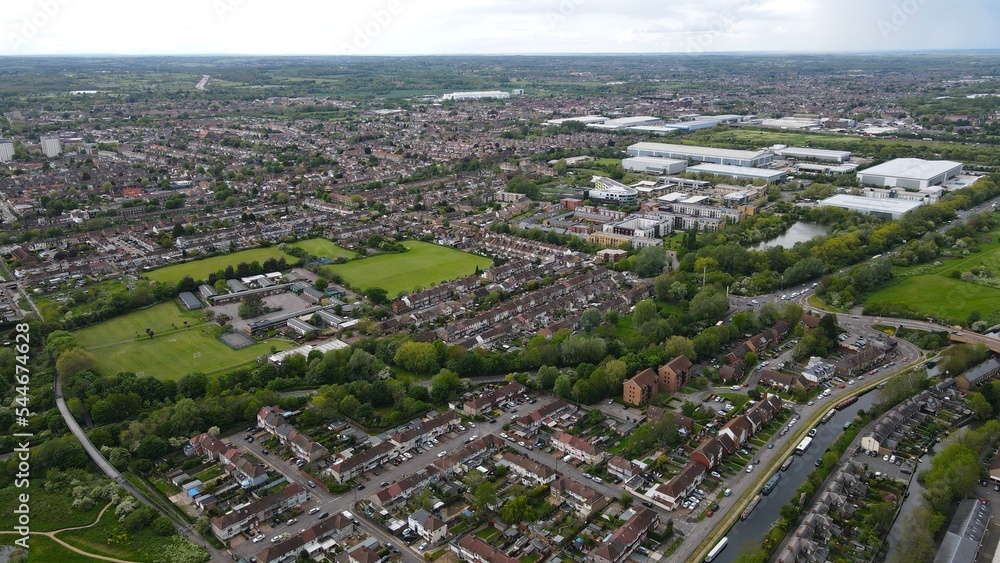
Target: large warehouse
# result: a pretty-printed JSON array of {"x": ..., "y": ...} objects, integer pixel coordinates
[
  {"x": 880, "y": 207},
  {"x": 741, "y": 172},
  {"x": 654, "y": 165},
  {"x": 806, "y": 153},
  {"x": 701, "y": 154},
  {"x": 912, "y": 173}
]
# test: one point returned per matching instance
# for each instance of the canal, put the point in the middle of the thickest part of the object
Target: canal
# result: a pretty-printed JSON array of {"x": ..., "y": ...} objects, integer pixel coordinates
[
  {"x": 799, "y": 232},
  {"x": 769, "y": 509}
]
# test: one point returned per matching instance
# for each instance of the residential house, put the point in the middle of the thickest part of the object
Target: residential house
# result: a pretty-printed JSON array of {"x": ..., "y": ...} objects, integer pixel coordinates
[
  {"x": 427, "y": 526},
  {"x": 737, "y": 430},
  {"x": 363, "y": 554},
  {"x": 673, "y": 375},
  {"x": 235, "y": 522},
  {"x": 625, "y": 539},
  {"x": 670, "y": 495},
  {"x": 489, "y": 401},
  {"x": 336, "y": 527},
  {"x": 578, "y": 447},
  {"x": 547, "y": 414},
  {"x": 349, "y": 468},
  {"x": 622, "y": 468},
  {"x": 403, "y": 488},
  {"x": 785, "y": 382},
  {"x": 709, "y": 453},
  {"x": 474, "y": 550},
  {"x": 639, "y": 389},
  {"x": 582, "y": 499},
  {"x": 530, "y": 472}
]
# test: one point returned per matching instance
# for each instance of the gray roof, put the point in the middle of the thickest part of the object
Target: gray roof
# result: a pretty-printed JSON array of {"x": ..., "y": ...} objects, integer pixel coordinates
[
  {"x": 189, "y": 300},
  {"x": 913, "y": 168},
  {"x": 965, "y": 533},
  {"x": 982, "y": 370}
]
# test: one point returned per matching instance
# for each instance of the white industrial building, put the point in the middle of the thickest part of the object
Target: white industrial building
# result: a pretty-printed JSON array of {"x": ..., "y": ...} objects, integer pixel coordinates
[
  {"x": 806, "y": 153},
  {"x": 701, "y": 154},
  {"x": 620, "y": 123},
  {"x": 885, "y": 207},
  {"x": 51, "y": 146},
  {"x": 6, "y": 150},
  {"x": 612, "y": 191},
  {"x": 585, "y": 119},
  {"x": 741, "y": 172},
  {"x": 929, "y": 195},
  {"x": 654, "y": 165},
  {"x": 791, "y": 123},
  {"x": 485, "y": 94},
  {"x": 828, "y": 169},
  {"x": 912, "y": 173}
]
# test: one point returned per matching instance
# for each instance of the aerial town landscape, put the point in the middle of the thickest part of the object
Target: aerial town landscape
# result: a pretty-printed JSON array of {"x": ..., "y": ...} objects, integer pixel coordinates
[{"x": 600, "y": 306}]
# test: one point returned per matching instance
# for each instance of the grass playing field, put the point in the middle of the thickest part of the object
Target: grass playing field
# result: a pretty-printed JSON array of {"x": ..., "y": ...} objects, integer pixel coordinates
[
  {"x": 159, "y": 318},
  {"x": 199, "y": 269},
  {"x": 423, "y": 265},
  {"x": 323, "y": 248},
  {"x": 174, "y": 350}
]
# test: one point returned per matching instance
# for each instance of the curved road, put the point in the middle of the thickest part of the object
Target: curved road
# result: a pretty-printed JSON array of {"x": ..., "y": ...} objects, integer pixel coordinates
[{"x": 117, "y": 477}]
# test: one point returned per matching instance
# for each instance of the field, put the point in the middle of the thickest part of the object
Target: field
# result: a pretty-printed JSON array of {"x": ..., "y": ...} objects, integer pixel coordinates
[
  {"x": 172, "y": 352},
  {"x": 323, "y": 248},
  {"x": 933, "y": 291},
  {"x": 161, "y": 318},
  {"x": 941, "y": 296},
  {"x": 199, "y": 269},
  {"x": 422, "y": 266},
  {"x": 46, "y": 550}
]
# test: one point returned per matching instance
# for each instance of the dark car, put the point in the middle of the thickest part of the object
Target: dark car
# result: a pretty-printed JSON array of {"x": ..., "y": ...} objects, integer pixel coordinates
[
  {"x": 324, "y": 515},
  {"x": 361, "y": 487},
  {"x": 647, "y": 504}
]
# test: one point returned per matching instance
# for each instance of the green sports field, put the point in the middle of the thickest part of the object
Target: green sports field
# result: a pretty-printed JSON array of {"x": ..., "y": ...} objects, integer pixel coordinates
[
  {"x": 323, "y": 248},
  {"x": 121, "y": 344},
  {"x": 422, "y": 266},
  {"x": 199, "y": 269}
]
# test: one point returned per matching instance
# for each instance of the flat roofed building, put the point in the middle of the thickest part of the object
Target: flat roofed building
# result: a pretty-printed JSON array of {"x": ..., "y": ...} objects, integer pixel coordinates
[
  {"x": 6, "y": 150},
  {"x": 701, "y": 154},
  {"x": 807, "y": 153},
  {"x": 912, "y": 173},
  {"x": 741, "y": 172},
  {"x": 626, "y": 122},
  {"x": 486, "y": 94},
  {"x": 654, "y": 165},
  {"x": 189, "y": 301},
  {"x": 885, "y": 207},
  {"x": 585, "y": 119},
  {"x": 966, "y": 532},
  {"x": 612, "y": 191}
]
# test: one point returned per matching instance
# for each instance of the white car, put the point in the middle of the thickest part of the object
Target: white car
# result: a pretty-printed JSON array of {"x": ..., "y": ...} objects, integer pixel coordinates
[
  {"x": 259, "y": 538},
  {"x": 750, "y": 468},
  {"x": 442, "y": 453},
  {"x": 716, "y": 474}
]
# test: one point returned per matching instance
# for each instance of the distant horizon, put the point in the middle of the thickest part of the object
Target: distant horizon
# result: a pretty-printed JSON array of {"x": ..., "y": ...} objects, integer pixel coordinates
[
  {"x": 493, "y": 27},
  {"x": 512, "y": 54}
]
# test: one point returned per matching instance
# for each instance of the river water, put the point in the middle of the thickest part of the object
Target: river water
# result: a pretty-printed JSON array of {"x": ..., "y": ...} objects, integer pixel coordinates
[
  {"x": 799, "y": 232},
  {"x": 769, "y": 509}
]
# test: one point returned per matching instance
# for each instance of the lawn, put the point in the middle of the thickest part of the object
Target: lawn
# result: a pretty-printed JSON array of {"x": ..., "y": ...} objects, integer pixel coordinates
[
  {"x": 422, "y": 266},
  {"x": 49, "y": 510},
  {"x": 324, "y": 248},
  {"x": 941, "y": 296},
  {"x": 162, "y": 318},
  {"x": 199, "y": 269},
  {"x": 174, "y": 355}
]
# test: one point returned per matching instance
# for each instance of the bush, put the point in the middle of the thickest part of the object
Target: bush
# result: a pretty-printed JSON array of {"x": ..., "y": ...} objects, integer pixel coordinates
[{"x": 162, "y": 526}]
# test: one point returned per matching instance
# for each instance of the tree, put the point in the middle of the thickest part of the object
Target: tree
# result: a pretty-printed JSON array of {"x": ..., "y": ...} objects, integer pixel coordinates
[
  {"x": 650, "y": 261},
  {"x": 689, "y": 409},
  {"x": 547, "y": 377},
  {"x": 192, "y": 385},
  {"x": 679, "y": 346},
  {"x": 444, "y": 385},
  {"x": 251, "y": 306},
  {"x": 73, "y": 361},
  {"x": 626, "y": 500},
  {"x": 377, "y": 295},
  {"x": 518, "y": 509},
  {"x": 485, "y": 496},
  {"x": 709, "y": 305},
  {"x": 563, "y": 386},
  {"x": 321, "y": 284},
  {"x": 590, "y": 319},
  {"x": 980, "y": 406},
  {"x": 418, "y": 357},
  {"x": 644, "y": 312}
]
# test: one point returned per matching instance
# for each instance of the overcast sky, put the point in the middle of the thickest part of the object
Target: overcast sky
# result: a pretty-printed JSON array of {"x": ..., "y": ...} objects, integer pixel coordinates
[{"x": 417, "y": 27}]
